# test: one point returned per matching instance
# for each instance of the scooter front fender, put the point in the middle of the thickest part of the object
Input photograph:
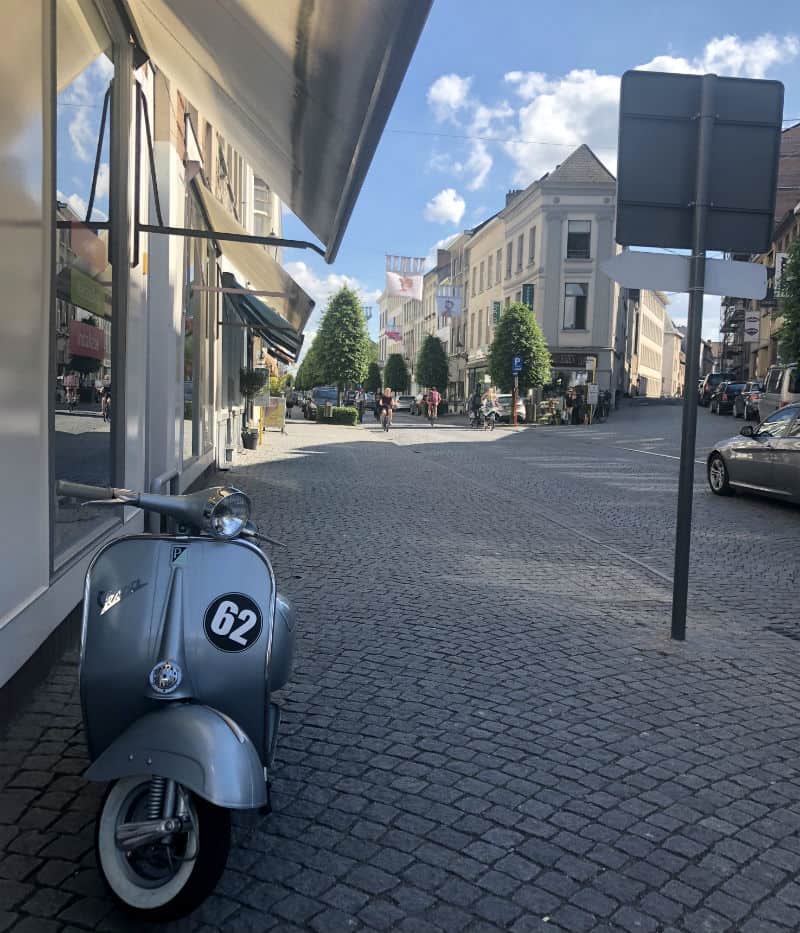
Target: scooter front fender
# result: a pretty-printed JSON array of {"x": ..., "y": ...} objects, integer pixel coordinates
[{"x": 197, "y": 746}]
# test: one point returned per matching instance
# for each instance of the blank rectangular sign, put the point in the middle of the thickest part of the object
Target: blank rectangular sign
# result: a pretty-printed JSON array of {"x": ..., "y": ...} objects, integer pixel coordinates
[{"x": 657, "y": 162}]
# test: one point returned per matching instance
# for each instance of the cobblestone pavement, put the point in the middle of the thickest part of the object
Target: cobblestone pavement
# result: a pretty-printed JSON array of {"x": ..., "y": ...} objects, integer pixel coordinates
[{"x": 488, "y": 727}]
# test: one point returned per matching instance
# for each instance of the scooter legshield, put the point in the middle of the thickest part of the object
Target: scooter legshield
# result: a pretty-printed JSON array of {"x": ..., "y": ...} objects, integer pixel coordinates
[
  {"x": 176, "y": 620},
  {"x": 194, "y": 745}
]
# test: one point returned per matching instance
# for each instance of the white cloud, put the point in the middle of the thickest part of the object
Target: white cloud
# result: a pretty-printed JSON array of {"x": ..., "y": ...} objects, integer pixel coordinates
[
  {"x": 76, "y": 202},
  {"x": 582, "y": 106},
  {"x": 448, "y": 95},
  {"x": 102, "y": 180},
  {"x": 83, "y": 134},
  {"x": 445, "y": 207},
  {"x": 732, "y": 56},
  {"x": 322, "y": 288}
]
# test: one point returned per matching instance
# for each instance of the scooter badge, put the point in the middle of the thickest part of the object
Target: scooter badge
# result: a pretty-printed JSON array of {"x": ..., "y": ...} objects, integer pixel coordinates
[{"x": 165, "y": 677}]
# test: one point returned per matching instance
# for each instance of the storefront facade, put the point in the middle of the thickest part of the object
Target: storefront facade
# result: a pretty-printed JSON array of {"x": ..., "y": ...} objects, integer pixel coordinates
[{"x": 120, "y": 364}]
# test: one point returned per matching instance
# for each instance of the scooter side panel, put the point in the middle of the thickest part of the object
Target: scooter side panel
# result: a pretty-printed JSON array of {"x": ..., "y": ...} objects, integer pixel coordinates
[
  {"x": 206, "y": 606},
  {"x": 196, "y": 747}
]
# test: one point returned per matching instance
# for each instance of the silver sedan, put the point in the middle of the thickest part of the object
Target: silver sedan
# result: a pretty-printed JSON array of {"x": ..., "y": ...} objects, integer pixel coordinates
[{"x": 763, "y": 459}]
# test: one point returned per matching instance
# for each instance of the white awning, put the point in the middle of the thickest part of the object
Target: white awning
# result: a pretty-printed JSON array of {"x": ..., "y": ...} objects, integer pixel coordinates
[
  {"x": 255, "y": 266},
  {"x": 303, "y": 89}
]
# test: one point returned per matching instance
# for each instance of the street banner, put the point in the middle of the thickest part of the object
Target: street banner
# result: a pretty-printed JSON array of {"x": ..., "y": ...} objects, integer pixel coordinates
[
  {"x": 392, "y": 331},
  {"x": 449, "y": 301},
  {"x": 752, "y": 326},
  {"x": 404, "y": 277}
]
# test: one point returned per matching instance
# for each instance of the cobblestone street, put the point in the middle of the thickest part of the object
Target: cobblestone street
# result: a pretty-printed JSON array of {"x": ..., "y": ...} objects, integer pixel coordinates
[{"x": 488, "y": 726}]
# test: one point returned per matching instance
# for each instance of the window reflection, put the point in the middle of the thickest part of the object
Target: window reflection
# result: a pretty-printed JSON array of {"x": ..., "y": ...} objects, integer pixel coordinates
[{"x": 82, "y": 318}]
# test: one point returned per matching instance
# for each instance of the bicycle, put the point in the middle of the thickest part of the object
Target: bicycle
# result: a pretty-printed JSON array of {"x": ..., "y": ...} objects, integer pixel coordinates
[
  {"x": 432, "y": 414},
  {"x": 386, "y": 421}
]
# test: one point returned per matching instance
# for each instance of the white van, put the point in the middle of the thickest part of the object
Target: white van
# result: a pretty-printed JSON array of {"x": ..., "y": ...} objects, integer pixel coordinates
[{"x": 781, "y": 387}]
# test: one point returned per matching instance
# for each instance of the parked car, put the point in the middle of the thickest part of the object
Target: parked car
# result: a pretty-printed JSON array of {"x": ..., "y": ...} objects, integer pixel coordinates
[
  {"x": 349, "y": 397},
  {"x": 745, "y": 405},
  {"x": 763, "y": 458},
  {"x": 504, "y": 403},
  {"x": 722, "y": 398},
  {"x": 369, "y": 399},
  {"x": 416, "y": 407},
  {"x": 711, "y": 381},
  {"x": 319, "y": 395},
  {"x": 781, "y": 387},
  {"x": 404, "y": 402}
]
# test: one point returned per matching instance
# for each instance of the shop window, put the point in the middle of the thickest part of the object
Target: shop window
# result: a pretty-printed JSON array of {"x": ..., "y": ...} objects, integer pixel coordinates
[
  {"x": 575, "y": 300},
  {"x": 199, "y": 317},
  {"x": 85, "y": 419},
  {"x": 579, "y": 235}
]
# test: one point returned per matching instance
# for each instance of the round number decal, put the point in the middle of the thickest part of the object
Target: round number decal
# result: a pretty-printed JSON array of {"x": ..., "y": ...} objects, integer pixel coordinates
[{"x": 232, "y": 622}]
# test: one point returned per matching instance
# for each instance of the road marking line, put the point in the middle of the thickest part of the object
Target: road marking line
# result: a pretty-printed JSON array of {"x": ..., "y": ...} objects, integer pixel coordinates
[{"x": 654, "y": 453}]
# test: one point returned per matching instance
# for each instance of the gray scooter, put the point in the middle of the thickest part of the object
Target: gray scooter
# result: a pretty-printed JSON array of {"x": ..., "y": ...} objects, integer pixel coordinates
[{"x": 184, "y": 641}]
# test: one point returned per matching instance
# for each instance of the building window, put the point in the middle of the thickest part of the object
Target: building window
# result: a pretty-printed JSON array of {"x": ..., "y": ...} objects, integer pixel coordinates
[
  {"x": 480, "y": 329},
  {"x": 575, "y": 296},
  {"x": 474, "y": 274},
  {"x": 497, "y": 266},
  {"x": 579, "y": 235},
  {"x": 531, "y": 245},
  {"x": 489, "y": 270},
  {"x": 481, "y": 275},
  {"x": 84, "y": 429},
  {"x": 508, "y": 301},
  {"x": 517, "y": 297},
  {"x": 509, "y": 254},
  {"x": 262, "y": 222},
  {"x": 520, "y": 250}
]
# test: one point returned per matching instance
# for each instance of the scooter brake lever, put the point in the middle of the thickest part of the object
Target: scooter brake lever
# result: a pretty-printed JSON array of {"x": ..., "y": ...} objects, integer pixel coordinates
[
  {"x": 247, "y": 533},
  {"x": 115, "y": 501}
]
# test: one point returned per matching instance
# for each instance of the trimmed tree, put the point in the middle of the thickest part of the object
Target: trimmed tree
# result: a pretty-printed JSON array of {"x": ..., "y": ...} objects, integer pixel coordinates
[
  {"x": 789, "y": 306},
  {"x": 518, "y": 334},
  {"x": 395, "y": 374},
  {"x": 343, "y": 340},
  {"x": 432, "y": 364},
  {"x": 373, "y": 381}
]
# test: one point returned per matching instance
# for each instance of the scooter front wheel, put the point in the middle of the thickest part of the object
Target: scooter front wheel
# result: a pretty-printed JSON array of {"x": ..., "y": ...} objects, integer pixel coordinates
[{"x": 168, "y": 878}]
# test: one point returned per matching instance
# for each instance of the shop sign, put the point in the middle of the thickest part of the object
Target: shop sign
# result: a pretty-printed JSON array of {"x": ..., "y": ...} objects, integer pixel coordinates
[
  {"x": 85, "y": 340},
  {"x": 568, "y": 360},
  {"x": 591, "y": 363},
  {"x": 496, "y": 312},
  {"x": 86, "y": 293},
  {"x": 593, "y": 393}
]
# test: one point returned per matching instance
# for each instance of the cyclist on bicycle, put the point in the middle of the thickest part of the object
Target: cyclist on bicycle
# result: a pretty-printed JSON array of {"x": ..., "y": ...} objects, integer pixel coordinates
[
  {"x": 434, "y": 400},
  {"x": 387, "y": 404}
]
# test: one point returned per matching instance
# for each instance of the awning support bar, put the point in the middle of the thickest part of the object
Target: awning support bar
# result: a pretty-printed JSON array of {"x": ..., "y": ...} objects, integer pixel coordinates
[{"x": 232, "y": 237}]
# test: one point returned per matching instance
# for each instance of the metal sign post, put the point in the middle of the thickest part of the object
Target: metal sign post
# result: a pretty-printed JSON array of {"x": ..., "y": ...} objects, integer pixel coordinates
[
  {"x": 697, "y": 168},
  {"x": 516, "y": 369},
  {"x": 683, "y": 530}
]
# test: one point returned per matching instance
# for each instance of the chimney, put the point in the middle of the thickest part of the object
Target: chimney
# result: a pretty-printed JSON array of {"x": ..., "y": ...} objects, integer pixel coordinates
[{"x": 513, "y": 193}]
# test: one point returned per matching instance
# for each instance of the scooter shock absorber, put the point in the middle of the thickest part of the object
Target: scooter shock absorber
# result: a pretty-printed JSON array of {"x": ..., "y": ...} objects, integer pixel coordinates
[{"x": 155, "y": 798}]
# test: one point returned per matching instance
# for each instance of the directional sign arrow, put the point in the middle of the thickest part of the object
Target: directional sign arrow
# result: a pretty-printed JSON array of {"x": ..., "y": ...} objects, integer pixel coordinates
[{"x": 670, "y": 273}]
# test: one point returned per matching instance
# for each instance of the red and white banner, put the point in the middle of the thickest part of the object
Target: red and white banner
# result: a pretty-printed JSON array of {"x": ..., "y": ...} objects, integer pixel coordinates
[
  {"x": 404, "y": 277},
  {"x": 85, "y": 340}
]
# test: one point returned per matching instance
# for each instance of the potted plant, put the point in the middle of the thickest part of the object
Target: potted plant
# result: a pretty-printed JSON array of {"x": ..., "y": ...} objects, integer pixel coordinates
[{"x": 251, "y": 382}]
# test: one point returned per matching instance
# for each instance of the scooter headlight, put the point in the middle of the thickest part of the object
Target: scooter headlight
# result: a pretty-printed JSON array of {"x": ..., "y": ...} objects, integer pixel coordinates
[{"x": 230, "y": 515}]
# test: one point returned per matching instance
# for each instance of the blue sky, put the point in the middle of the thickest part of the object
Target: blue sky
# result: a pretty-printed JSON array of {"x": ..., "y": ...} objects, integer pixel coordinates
[{"x": 511, "y": 70}]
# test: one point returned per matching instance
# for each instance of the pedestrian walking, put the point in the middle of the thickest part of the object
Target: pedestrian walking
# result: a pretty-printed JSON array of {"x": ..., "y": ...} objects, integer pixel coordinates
[{"x": 377, "y": 408}]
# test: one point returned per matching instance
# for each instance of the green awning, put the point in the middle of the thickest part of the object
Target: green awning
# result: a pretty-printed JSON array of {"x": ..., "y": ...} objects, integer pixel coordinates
[{"x": 279, "y": 335}]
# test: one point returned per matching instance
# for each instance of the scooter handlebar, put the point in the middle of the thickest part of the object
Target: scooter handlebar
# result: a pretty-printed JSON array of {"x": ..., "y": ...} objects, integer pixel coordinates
[{"x": 83, "y": 491}]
